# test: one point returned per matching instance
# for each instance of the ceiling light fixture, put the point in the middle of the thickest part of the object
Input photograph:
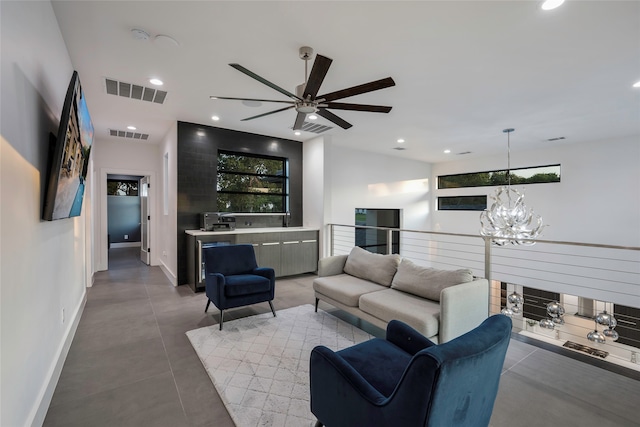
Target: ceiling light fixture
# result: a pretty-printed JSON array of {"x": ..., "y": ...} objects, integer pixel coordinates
[
  {"x": 400, "y": 141},
  {"x": 156, "y": 82},
  {"x": 551, "y": 4},
  {"x": 131, "y": 127},
  {"x": 447, "y": 151},
  {"x": 312, "y": 117},
  {"x": 215, "y": 118},
  {"x": 507, "y": 220},
  {"x": 636, "y": 84},
  {"x": 297, "y": 133}
]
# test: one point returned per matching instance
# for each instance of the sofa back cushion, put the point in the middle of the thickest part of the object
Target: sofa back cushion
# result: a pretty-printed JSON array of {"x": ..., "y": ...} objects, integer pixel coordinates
[
  {"x": 369, "y": 266},
  {"x": 427, "y": 282}
]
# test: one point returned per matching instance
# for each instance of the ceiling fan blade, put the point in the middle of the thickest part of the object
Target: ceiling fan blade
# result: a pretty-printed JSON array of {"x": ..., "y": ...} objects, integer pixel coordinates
[
  {"x": 299, "y": 121},
  {"x": 333, "y": 118},
  {"x": 266, "y": 114},
  {"x": 357, "y": 90},
  {"x": 358, "y": 107},
  {"x": 264, "y": 81},
  {"x": 318, "y": 72},
  {"x": 249, "y": 99}
]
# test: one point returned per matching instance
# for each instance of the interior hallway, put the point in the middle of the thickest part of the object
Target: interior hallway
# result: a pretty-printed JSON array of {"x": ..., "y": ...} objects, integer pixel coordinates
[{"x": 131, "y": 364}]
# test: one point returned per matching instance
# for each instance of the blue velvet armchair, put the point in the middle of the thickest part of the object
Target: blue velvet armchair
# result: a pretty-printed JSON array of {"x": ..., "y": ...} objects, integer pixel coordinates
[
  {"x": 407, "y": 380},
  {"x": 233, "y": 278}
]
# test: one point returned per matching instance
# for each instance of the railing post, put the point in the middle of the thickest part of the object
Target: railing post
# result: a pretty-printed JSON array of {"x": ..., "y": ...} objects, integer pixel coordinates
[
  {"x": 330, "y": 242},
  {"x": 487, "y": 259},
  {"x": 389, "y": 242}
]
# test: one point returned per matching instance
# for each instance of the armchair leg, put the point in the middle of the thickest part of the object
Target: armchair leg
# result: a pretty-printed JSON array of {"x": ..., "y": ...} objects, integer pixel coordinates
[
  {"x": 221, "y": 318},
  {"x": 272, "y": 310},
  {"x": 317, "y": 301},
  {"x": 207, "y": 307}
]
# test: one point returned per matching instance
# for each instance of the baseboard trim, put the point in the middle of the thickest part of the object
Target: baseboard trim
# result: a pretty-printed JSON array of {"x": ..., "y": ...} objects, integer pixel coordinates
[
  {"x": 167, "y": 272},
  {"x": 125, "y": 245},
  {"x": 39, "y": 411}
]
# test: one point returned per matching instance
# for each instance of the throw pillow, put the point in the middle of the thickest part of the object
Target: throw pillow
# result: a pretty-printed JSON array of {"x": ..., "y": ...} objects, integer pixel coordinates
[
  {"x": 427, "y": 282},
  {"x": 369, "y": 266}
]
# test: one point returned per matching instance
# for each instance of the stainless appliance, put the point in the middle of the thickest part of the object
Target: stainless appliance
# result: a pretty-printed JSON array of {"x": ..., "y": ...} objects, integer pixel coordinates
[{"x": 217, "y": 221}]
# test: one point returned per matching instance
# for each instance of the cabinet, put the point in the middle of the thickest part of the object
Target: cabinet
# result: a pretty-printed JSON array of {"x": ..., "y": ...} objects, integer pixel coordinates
[
  {"x": 288, "y": 252},
  {"x": 299, "y": 252}
]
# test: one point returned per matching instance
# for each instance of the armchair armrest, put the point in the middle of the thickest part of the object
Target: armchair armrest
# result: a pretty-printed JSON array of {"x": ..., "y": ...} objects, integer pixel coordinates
[
  {"x": 331, "y": 266},
  {"x": 328, "y": 369},
  {"x": 462, "y": 308},
  {"x": 266, "y": 272},
  {"x": 407, "y": 338},
  {"x": 214, "y": 287}
]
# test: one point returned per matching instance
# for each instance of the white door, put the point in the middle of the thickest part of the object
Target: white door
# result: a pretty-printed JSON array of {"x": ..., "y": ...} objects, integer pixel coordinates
[{"x": 144, "y": 220}]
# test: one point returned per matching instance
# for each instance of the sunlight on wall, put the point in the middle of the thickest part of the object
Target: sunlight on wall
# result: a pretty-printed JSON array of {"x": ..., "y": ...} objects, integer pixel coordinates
[{"x": 385, "y": 189}]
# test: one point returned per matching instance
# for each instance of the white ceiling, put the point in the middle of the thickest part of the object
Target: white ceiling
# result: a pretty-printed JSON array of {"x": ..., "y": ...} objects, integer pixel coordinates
[{"x": 464, "y": 70}]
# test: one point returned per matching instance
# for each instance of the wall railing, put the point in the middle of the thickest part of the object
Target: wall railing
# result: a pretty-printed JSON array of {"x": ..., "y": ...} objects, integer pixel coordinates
[{"x": 605, "y": 275}]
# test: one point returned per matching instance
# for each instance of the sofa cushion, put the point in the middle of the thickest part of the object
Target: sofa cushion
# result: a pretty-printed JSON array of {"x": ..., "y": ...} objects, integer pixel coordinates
[
  {"x": 375, "y": 267},
  {"x": 427, "y": 282},
  {"x": 344, "y": 288},
  {"x": 421, "y": 314}
]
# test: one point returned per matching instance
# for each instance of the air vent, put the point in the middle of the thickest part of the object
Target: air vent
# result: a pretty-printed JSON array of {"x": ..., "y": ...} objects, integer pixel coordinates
[
  {"x": 129, "y": 90},
  {"x": 399, "y": 148},
  {"x": 462, "y": 153},
  {"x": 129, "y": 134},
  {"x": 314, "y": 127},
  {"x": 556, "y": 139}
]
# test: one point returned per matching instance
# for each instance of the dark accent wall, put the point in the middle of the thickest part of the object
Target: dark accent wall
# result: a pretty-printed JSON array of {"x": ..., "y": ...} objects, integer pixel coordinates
[{"x": 198, "y": 147}]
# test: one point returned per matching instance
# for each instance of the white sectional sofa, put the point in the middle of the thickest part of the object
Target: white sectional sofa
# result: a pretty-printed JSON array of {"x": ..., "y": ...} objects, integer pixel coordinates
[{"x": 440, "y": 304}]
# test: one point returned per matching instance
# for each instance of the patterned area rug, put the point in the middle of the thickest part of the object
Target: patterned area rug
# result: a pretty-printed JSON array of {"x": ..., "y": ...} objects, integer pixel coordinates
[{"x": 260, "y": 364}]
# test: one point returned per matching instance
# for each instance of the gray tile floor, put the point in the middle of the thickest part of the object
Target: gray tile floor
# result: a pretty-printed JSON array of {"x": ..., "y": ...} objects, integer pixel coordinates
[{"x": 131, "y": 364}]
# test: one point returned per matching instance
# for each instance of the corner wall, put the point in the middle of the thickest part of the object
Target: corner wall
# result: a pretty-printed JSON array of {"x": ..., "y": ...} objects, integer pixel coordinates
[{"x": 43, "y": 267}]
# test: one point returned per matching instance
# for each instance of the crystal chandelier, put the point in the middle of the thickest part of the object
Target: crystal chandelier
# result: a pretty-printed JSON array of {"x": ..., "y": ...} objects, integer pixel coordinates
[{"x": 508, "y": 220}]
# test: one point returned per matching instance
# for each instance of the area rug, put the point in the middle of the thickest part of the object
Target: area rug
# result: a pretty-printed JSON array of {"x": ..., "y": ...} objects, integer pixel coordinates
[{"x": 260, "y": 364}]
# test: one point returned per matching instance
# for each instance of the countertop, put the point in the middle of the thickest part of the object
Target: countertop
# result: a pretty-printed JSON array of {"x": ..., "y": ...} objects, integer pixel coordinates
[{"x": 249, "y": 230}]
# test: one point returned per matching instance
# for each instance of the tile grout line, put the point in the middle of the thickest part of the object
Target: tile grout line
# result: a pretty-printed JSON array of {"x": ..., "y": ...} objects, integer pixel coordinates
[
  {"x": 519, "y": 362},
  {"x": 175, "y": 383}
]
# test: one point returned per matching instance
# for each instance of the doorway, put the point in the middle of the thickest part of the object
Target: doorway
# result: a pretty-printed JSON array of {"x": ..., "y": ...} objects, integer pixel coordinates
[{"x": 144, "y": 220}]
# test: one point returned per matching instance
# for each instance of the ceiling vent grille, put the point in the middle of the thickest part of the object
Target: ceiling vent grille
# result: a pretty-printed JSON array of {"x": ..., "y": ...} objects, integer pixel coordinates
[
  {"x": 399, "y": 148},
  {"x": 559, "y": 138},
  {"x": 129, "y": 134},
  {"x": 314, "y": 127},
  {"x": 462, "y": 153},
  {"x": 129, "y": 90}
]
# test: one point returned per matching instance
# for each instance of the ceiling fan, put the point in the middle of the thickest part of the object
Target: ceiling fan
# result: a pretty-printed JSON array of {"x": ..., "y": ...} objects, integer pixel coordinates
[{"x": 306, "y": 99}]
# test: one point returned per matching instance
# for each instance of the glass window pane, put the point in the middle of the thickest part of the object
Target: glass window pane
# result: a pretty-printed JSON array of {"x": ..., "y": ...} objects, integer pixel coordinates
[
  {"x": 250, "y": 183},
  {"x": 531, "y": 175},
  {"x": 232, "y": 202},
  {"x": 250, "y": 164},
  {"x": 462, "y": 203}
]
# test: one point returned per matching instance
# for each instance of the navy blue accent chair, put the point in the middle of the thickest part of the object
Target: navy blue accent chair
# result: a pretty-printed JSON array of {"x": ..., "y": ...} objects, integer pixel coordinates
[
  {"x": 407, "y": 380},
  {"x": 233, "y": 278}
]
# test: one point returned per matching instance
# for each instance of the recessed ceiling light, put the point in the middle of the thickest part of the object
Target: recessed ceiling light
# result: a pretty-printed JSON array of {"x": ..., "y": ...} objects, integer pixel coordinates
[
  {"x": 551, "y": 4},
  {"x": 131, "y": 127},
  {"x": 312, "y": 117},
  {"x": 636, "y": 84},
  {"x": 156, "y": 82},
  {"x": 297, "y": 133},
  {"x": 215, "y": 118},
  {"x": 400, "y": 141},
  {"x": 447, "y": 151}
]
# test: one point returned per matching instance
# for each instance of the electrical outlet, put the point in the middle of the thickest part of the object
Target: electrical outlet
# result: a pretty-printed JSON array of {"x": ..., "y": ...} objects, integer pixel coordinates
[
  {"x": 126, "y": 237},
  {"x": 164, "y": 253},
  {"x": 62, "y": 315}
]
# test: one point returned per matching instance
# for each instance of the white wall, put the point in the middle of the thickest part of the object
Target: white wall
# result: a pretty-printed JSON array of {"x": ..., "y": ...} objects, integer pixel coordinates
[
  {"x": 168, "y": 224},
  {"x": 597, "y": 200},
  {"x": 123, "y": 157},
  {"x": 358, "y": 179},
  {"x": 42, "y": 264}
]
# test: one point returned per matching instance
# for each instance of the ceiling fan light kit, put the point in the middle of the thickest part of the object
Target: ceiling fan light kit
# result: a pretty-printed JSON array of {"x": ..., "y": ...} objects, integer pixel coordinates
[{"x": 306, "y": 100}]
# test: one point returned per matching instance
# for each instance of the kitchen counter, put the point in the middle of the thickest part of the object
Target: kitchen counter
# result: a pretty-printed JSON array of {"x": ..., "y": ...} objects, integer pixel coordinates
[{"x": 249, "y": 230}]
